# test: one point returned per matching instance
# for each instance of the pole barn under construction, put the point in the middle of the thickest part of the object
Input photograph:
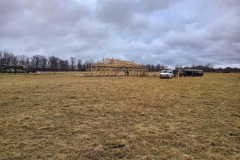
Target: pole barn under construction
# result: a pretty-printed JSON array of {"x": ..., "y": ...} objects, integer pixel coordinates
[{"x": 114, "y": 67}]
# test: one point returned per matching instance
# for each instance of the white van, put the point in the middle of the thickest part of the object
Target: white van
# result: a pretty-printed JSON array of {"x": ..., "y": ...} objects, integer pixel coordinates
[{"x": 166, "y": 73}]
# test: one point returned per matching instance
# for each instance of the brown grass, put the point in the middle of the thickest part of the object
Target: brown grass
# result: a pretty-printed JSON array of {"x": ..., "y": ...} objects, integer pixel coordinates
[{"x": 64, "y": 116}]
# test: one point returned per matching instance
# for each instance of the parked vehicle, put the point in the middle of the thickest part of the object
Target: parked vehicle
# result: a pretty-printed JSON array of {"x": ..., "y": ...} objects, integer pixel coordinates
[
  {"x": 167, "y": 73},
  {"x": 191, "y": 72}
]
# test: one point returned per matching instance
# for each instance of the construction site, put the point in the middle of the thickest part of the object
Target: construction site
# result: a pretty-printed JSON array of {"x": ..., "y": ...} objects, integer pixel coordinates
[{"x": 114, "y": 67}]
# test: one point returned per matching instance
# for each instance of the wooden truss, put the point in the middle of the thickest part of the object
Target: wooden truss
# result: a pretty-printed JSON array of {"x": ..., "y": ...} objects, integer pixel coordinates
[{"x": 114, "y": 67}]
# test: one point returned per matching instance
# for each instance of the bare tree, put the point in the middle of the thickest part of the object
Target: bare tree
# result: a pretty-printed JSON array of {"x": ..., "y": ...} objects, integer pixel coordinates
[
  {"x": 158, "y": 67},
  {"x": 63, "y": 65},
  {"x": 22, "y": 59},
  {"x": 43, "y": 62},
  {"x": 35, "y": 61},
  {"x": 15, "y": 60},
  {"x": 209, "y": 68},
  {"x": 148, "y": 66},
  {"x": 32, "y": 64},
  {"x": 88, "y": 63},
  {"x": 72, "y": 62},
  {"x": 79, "y": 65},
  {"x": 177, "y": 67},
  {"x": 53, "y": 63},
  {"x": 27, "y": 62},
  {"x": 7, "y": 58},
  {"x": 1, "y": 58},
  {"x": 163, "y": 67},
  {"x": 152, "y": 67},
  {"x": 209, "y": 65}
]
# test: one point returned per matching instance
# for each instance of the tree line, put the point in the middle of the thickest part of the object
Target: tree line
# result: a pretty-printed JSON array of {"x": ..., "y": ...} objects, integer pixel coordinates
[
  {"x": 54, "y": 63},
  {"x": 43, "y": 63}
]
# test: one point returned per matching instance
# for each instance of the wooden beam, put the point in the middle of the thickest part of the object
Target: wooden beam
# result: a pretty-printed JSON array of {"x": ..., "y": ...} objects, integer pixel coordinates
[{"x": 120, "y": 72}]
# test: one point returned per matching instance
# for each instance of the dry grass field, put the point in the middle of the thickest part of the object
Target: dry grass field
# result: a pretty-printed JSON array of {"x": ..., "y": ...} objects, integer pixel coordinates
[{"x": 64, "y": 116}]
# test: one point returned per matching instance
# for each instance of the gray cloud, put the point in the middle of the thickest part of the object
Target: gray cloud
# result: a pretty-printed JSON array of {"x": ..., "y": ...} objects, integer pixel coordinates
[{"x": 169, "y": 32}]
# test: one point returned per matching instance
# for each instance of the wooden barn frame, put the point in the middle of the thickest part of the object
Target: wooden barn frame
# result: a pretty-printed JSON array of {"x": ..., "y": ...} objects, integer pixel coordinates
[{"x": 114, "y": 67}]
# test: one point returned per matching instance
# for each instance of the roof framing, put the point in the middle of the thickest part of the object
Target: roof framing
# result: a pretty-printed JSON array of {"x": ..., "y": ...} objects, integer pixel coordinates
[
  {"x": 115, "y": 67},
  {"x": 110, "y": 62}
]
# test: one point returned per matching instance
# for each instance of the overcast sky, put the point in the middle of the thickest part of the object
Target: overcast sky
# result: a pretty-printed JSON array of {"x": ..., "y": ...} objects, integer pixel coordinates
[{"x": 169, "y": 32}]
